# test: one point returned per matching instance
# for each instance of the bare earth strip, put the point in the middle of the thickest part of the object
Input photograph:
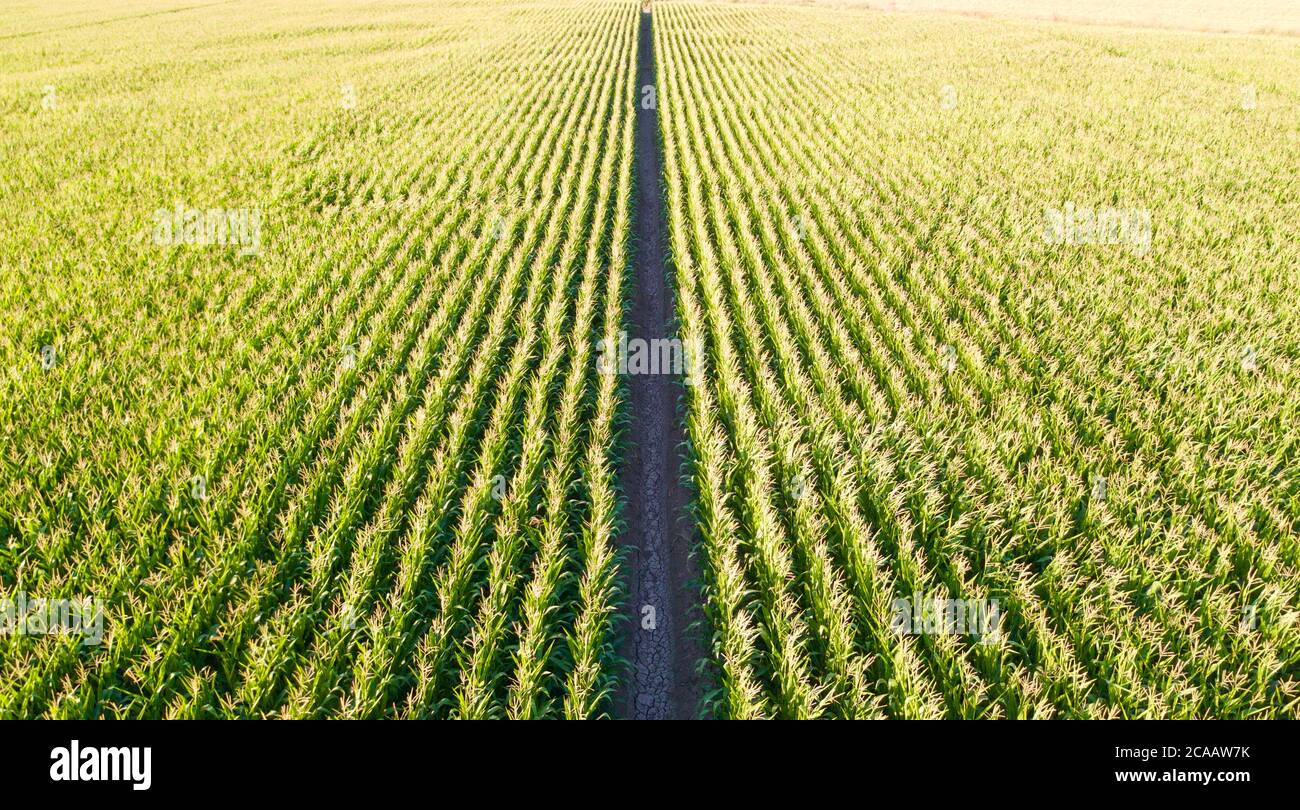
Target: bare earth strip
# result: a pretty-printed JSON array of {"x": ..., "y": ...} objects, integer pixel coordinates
[{"x": 661, "y": 647}]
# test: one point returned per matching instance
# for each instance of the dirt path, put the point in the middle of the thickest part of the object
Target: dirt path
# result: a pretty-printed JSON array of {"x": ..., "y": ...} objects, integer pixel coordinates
[{"x": 662, "y": 653}]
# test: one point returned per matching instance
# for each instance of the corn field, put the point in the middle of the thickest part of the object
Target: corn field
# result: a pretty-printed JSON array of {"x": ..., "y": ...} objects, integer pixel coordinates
[
  {"x": 304, "y": 307},
  {"x": 368, "y": 472},
  {"x": 912, "y": 394}
]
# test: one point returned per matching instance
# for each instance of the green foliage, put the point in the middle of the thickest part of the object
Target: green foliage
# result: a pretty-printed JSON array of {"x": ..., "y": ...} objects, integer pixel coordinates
[
  {"x": 913, "y": 391},
  {"x": 365, "y": 470}
]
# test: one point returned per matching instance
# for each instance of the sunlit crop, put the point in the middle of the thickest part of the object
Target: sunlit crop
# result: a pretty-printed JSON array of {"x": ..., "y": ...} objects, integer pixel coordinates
[
  {"x": 1000, "y": 320},
  {"x": 300, "y": 303}
]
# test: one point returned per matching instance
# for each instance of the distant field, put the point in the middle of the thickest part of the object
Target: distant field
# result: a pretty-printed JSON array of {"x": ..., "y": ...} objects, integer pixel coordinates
[{"x": 1276, "y": 16}]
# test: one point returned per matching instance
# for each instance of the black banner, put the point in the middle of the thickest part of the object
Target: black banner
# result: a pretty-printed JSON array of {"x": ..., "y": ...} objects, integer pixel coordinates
[{"x": 147, "y": 761}]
